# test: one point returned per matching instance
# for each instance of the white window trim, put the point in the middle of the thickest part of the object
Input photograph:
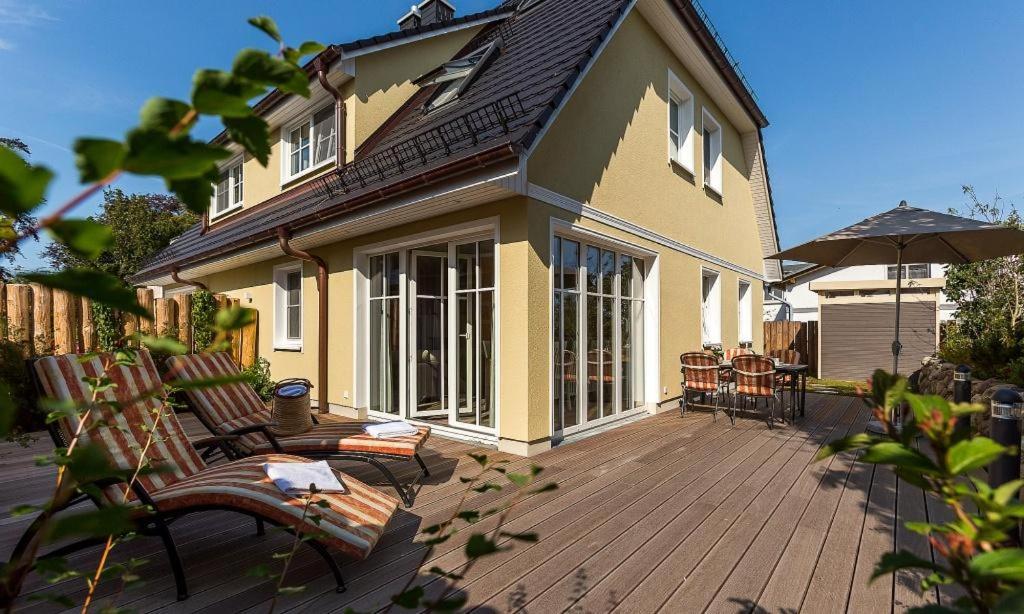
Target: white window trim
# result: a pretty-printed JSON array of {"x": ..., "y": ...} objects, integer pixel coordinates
[
  {"x": 745, "y": 308},
  {"x": 713, "y": 176},
  {"x": 684, "y": 155},
  {"x": 713, "y": 312},
  {"x": 286, "y": 154},
  {"x": 233, "y": 207},
  {"x": 281, "y": 340}
]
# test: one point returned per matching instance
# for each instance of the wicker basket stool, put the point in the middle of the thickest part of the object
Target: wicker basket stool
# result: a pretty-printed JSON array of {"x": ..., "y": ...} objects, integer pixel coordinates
[{"x": 291, "y": 407}]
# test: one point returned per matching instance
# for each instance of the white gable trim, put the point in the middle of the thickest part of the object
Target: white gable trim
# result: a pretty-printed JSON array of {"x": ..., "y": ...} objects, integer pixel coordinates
[{"x": 586, "y": 211}]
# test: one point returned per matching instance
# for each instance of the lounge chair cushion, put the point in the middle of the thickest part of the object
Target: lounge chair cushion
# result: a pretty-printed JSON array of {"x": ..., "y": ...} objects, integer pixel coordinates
[
  {"x": 232, "y": 406},
  {"x": 353, "y": 523}
]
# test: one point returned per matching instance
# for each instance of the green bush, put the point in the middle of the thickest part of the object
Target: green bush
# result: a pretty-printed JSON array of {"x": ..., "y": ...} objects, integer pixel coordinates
[
  {"x": 204, "y": 310},
  {"x": 258, "y": 376}
]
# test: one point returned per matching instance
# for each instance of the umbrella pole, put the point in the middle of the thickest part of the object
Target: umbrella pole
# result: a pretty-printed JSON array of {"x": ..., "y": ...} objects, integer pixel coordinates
[{"x": 896, "y": 347}]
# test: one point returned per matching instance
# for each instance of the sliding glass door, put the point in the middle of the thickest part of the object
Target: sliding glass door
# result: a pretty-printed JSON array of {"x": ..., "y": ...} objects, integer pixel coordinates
[
  {"x": 384, "y": 334},
  {"x": 473, "y": 369},
  {"x": 598, "y": 314},
  {"x": 428, "y": 323}
]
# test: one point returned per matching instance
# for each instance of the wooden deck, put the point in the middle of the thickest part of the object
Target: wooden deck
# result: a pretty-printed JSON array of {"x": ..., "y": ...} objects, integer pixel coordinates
[{"x": 664, "y": 514}]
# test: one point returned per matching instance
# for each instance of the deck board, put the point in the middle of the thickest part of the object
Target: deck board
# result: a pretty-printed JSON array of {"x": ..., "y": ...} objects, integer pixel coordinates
[{"x": 669, "y": 513}]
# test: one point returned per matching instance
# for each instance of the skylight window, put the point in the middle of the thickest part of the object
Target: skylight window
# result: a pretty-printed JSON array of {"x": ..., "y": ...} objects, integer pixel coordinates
[{"x": 454, "y": 77}]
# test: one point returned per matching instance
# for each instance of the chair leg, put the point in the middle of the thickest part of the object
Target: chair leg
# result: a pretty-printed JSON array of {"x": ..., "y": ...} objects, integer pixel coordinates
[
  {"x": 172, "y": 555},
  {"x": 423, "y": 466},
  {"x": 260, "y": 529},
  {"x": 714, "y": 411},
  {"x": 402, "y": 492},
  {"x": 682, "y": 405},
  {"x": 331, "y": 563}
]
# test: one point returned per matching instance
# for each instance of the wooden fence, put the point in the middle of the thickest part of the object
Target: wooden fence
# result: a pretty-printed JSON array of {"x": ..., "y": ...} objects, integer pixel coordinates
[
  {"x": 799, "y": 336},
  {"x": 42, "y": 321}
]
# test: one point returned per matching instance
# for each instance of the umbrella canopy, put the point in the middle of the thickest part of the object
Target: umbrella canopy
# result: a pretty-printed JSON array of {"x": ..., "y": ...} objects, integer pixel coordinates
[{"x": 925, "y": 236}]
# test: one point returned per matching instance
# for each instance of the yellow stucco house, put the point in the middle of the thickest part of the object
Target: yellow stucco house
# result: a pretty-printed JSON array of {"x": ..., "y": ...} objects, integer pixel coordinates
[{"x": 507, "y": 225}]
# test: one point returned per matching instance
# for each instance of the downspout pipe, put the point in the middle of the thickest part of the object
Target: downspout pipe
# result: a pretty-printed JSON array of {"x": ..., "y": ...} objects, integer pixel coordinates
[
  {"x": 339, "y": 113},
  {"x": 283, "y": 239},
  {"x": 178, "y": 279}
]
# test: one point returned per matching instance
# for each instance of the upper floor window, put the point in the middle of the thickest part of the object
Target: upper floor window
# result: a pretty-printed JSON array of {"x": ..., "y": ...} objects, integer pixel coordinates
[
  {"x": 228, "y": 191},
  {"x": 452, "y": 78},
  {"x": 680, "y": 123},
  {"x": 310, "y": 142},
  {"x": 712, "y": 153},
  {"x": 910, "y": 271}
]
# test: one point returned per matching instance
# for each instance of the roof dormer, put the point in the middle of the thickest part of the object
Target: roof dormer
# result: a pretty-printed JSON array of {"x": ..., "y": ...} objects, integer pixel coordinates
[{"x": 426, "y": 13}]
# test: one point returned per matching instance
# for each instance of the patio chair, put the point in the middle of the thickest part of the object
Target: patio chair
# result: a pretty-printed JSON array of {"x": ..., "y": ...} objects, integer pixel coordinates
[
  {"x": 184, "y": 483},
  {"x": 755, "y": 378},
  {"x": 731, "y": 353},
  {"x": 701, "y": 375},
  {"x": 235, "y": 409}
]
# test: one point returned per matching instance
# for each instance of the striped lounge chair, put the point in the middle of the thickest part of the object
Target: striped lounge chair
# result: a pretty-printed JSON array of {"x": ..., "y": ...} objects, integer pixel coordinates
[
  {"x": 235, "y": 409},
  {"x": 185, "y": 484}
]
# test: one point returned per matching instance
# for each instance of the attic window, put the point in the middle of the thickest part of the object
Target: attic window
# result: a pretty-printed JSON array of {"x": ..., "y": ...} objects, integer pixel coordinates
[{"x": 454, "y": 77}]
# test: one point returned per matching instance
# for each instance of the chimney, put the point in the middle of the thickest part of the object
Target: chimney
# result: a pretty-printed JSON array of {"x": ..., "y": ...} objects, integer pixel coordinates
[
  {"x": 412, "y": 19},
  {"x": 426, "y": 13}
]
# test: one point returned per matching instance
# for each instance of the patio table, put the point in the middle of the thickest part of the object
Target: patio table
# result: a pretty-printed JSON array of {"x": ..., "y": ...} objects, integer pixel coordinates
[{"x": 796, "y": 380}]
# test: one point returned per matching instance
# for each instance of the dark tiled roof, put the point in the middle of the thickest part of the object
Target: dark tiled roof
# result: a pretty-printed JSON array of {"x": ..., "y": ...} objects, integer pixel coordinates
[
  {"x": 400, "y": 34},
  {"x": 544, "y": 51}
]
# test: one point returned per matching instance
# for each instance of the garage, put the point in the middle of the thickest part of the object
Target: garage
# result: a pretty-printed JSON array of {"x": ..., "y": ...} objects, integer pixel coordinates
[{"x": 856, "y": 329}]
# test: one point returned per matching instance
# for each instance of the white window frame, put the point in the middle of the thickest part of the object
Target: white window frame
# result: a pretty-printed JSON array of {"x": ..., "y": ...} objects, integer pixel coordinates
[
  {"x": 906, "y": 271},
  {"x": 233, "y": 205},
  {"x": 745, "y": 311},
  {"x": 281, "y": 340},
  {"x": 713, "y": 175},
  {"x": 681, "y": 144},
  {"x": 286, "y": 145},
  {"x": 711, "y": 308}
]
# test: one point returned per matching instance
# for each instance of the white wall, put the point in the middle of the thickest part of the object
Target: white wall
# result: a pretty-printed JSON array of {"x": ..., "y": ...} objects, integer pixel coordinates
[{"x": 804, "y": 304}]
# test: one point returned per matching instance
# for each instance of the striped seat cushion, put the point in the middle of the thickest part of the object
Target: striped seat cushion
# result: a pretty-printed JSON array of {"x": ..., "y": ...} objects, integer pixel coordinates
[
  {"x": 754, "y": 375},
  {"x": 353, "y": 523},
  {"x": 236, "y": 405},
  {"x": 700, "y": 372},
  {"x": 122, "y": 434}
]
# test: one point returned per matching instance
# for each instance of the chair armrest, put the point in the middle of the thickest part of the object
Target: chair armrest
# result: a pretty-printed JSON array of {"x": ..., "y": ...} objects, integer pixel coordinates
[
  {"x": 207, "y": 445},
  {"x": 262, "y": 428}
]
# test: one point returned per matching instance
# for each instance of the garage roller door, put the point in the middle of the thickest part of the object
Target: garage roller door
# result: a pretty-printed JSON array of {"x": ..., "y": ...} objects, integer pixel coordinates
[{"x": 856, "y": 339}]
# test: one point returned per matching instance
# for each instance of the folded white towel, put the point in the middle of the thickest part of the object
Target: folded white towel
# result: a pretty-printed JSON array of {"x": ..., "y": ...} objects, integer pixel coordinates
[
  {"x": 384, "y": 430},
  {"x": 295, "y": 478}
]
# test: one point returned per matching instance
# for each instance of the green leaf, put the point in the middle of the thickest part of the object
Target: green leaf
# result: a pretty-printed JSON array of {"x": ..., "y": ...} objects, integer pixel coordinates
[
  {"x": 893, "y": 561},
  {"x": 260, "y": 67},
  {"x": 480, "y": 545},
  {"x": 22, "y": 185},
  {"x": 519, "y": 479},
  {"x": 97, "y": 158},
  {"x": 853, "y": 442},
  {"x": 973, "y": 453},
  {"x": 107, "y": 520},
  {"x": 234, "y": 318},
  {"x": 101, "y": 287},
  {"x": 924, "y": 405},
  {"x": 481, "y": 459},
  {"x": 310, "y": 47},
  {"x": 194, "y": 193},
  {"x": 163, "y": 114},
  {"x": 252, "y": 133},
  {"x": 923, "y": 528},
  {"x": 164, "y": 345},
  {"x": 267, "y": 25},
  {"x": 410, "y": 599},
  {"x": 153, "y": 152},
  {"x": 898, "y": 455},
  {"x": 1004, "y": 564},
  {"x": 86, "y": 238},
  {"x": 215, "y": 92},
  {"x": 1010, "y": 603}
]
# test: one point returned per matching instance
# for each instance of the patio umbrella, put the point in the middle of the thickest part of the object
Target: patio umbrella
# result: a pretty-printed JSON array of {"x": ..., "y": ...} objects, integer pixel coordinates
[{"x": 912, "y": 235}]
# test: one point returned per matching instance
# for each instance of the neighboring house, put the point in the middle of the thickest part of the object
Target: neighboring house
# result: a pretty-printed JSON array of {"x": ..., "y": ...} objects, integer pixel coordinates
[
  {"x": 855, "y": 308},
  {"x": 793, "y": 298},
  {"x": 523, "y": 216}
]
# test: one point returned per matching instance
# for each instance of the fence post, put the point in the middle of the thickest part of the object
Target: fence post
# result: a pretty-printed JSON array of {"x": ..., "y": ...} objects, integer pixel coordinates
[
  {"x": 19, "y": 317},
  {"x": 3, "y": 310},
  {"x": 165, "y": 313},
  {"x": 145, "y": 296},
  {"x": 64, "y": 322},
  {"x": 42, "y": 319},
  {"x": 184, "y": 302},
  {"x": 88, "y": 327}
]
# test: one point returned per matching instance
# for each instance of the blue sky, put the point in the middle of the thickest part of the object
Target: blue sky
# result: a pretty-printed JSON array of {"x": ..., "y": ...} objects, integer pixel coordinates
[{"x": 870, "y": 102}]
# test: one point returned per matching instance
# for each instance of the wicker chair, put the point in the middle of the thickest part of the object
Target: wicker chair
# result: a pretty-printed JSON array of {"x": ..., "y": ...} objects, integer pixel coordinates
[
  {"x": 755, "y": 378},
  {"x": 701, "y": 375}
]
